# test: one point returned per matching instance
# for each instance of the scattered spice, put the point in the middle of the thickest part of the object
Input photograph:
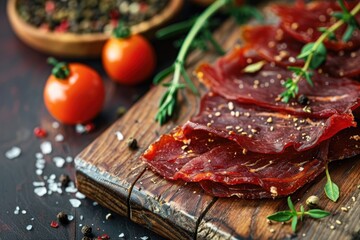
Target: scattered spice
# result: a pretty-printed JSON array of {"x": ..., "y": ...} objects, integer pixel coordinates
[
  {"x": 84, "y": 16},
  {"x": 132, "y": 143},
  {"x": 303, "y": 100},
  {"x": 108, "y": 216},
  {"x": 338, "y": 222},
  {"x": 344, "y": 209},
  {"x": 89, "y": 127},
  {"x": 312, "y": 201},
  {"x": 64, "y": 180},
  {"x": 40, "y": 132},
  {"x": 332, "y": 227},
  {"x": 120, "y": 111},
  {"x": 104, "y": 236},
  {"x": 54, "y": 224},
  {"x": 62, "y": 217},
  {"x": 13, "y": 153},
  {"x": 86, "y": 230},
  {"x": 29, "y": 227}
]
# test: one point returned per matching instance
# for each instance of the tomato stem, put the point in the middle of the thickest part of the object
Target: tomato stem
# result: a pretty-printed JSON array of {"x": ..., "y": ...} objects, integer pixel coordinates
[
  {"x": 121, "y": 30},
  {"x": 60, "y": 70}
]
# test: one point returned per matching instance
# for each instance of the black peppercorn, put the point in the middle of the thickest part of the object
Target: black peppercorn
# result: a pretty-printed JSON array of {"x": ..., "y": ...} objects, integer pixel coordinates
[
  {"x": 64, "y": 180},
  {"x": 303, "y": 100},
  {"x": 86, "y": 230},
  {"x": 132, "y": 144},
  {"x": 62, "y": 217}
]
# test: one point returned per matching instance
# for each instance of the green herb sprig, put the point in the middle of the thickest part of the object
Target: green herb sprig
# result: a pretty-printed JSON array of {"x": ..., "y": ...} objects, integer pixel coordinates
[
  {"x": 168, "y": 102},
  {"x": 331, "y": 189},
  {"x": 293, "y": 215},
  {"x": 314, "y": 53}
]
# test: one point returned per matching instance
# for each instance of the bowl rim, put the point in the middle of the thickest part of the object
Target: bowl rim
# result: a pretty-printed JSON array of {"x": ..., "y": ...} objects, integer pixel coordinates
[{"x": 165, "y": 14}]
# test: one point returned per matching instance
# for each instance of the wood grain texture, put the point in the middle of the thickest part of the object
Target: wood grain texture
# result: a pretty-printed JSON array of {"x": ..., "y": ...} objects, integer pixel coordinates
[{"x": 182, "y": 211}]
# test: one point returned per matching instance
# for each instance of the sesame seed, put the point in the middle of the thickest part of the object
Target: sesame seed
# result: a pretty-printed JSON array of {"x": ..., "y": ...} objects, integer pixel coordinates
[
  {"x": 271, "y": 128},
  {"x": 338, "y": 222},
  {"x": 353, "y": 199},
  {"x": 231, "y": 106},
  {"x": 344, "y": 209},
  {"x": 217, "y": 114},
  {"x": 272, "y": 230},
  {"x": 332, "y": 227},
  {"x": 294, "y": 25},
  {"x": 253, "y": 130},
  {"x": 269, "y": 120},
  {"x": 244, "y": 151}
]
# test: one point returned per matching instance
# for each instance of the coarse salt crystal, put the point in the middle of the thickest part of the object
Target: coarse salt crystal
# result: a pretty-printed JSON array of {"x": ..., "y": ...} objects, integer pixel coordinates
[
  {"x": 55, "y": 125},
  {"x": 121, "y": 235},
  {"x": 144, "y": 238},
  {"x": 29, "y": 227},
  {"x": 119, "y": 135},
  {"x": 75, "y": 202},
  {"x": 38, "y": 184},
  {"x": 79, "y": 128},
  {"x": 95, "y": 203},
  {"x": 46, "y": 147},
  {"x": 59, "y": 161},
  {"x": 40, "y": 191},
  {"x": 70, "y": 217},
  {"x": 81, "y": 217},
  {"x": 69, "y": 159},
  {"x": 23, "y": 212},
  {"x": 38, "y": 155},
  {"x": 71, "y": 188},
  {"x": 39, "y": 172},
  {"x": 79, "y": 195},
  {"x": 59, "y": 138},
  {"x": 12, "y": 153}
]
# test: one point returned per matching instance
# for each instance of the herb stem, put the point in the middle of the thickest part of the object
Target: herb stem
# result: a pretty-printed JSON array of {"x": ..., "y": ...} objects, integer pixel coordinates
[
  {"x": 321, "y": 39},
  {"x": 168, "y": 104}
]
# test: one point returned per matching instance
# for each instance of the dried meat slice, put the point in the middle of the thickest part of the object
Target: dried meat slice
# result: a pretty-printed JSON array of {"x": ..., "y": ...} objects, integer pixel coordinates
[
  {"x": 223, "y": 161},
  {"x": 303, "y": 23},
  {"x": 228, "y": 79},
  {"x": 272, "y": 44},
  {"x": 259, "y": 129}
]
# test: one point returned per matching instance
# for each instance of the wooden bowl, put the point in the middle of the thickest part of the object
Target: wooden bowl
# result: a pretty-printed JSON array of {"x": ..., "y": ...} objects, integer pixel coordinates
[{"x": 79, "y": 45}]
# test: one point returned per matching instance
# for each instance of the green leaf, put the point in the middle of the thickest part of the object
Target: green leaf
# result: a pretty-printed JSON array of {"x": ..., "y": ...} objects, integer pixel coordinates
[
  {"x": 348, "y": 33},
  {"x": 244, "y": 13},
  {"x": 331, "y": 189},
  {"x": 281, "y": 216},
  {"x": 291, "y": 205},
  {"x": 317, "y": 213},
  {"x": 338, "y": 15},
  {"x": 302, "y": 210},
  {"x": 254, "y": 67},
  {"x": 163, "y": 74},
  {"x": 331, "y": 35},
  {"x": 306, "y": 50},
  {"x": 294, "y": 222},
  {"x": 319, "y": 56},
  {"x": 296, "y": 70},
  {"x": 308, "y": 78},
  {"x": 189, "y": 82}
]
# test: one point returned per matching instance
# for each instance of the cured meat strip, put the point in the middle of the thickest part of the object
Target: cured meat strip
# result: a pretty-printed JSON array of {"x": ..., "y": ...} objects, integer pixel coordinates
[
  {"x": 224, "y": 161},
  {"x": 272, "y": 44},
  {"x": 226, "y": 78},
  {"x": 259, "y": 129},
  {"x": 303, "y": 23}
]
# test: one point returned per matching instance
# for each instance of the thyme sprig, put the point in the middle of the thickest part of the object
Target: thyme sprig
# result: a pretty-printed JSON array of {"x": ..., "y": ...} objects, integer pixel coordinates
[
  {"x": 314, "y": 53},
  {"x": 293, "y": 214},
  {"x": 198, "y": 37}
]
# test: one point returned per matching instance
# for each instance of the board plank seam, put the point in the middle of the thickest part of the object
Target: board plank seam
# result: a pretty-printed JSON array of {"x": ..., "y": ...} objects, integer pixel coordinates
[
  {"x": 202, "y": 215},
  {"x": 130, "y": 192}
]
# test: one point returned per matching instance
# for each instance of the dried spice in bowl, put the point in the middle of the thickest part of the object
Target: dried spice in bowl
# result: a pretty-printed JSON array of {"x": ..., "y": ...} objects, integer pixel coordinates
[{"x": 86, "y": 16}]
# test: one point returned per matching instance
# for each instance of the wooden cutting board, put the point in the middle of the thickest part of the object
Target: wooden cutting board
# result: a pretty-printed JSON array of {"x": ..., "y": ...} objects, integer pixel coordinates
[{"x": 111, "y": 174}]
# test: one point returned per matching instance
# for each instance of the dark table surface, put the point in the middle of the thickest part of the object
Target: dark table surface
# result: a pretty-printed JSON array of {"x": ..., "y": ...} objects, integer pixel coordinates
[{"x": 23, "y": 73}]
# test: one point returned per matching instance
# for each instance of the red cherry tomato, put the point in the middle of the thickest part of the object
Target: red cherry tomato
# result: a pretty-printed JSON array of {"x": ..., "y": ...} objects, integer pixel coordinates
[
  {"x": 76, "y": 95},
  {"x": 129, "y": 60}
]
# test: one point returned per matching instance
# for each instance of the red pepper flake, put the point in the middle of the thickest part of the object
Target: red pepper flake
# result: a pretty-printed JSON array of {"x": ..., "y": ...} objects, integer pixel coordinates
[
  {"x": 114, "y": 14},
  {"x": 39, "y": 132},
  {"x": 89, "y": 127},
  {"x": 49, "y": 6},
  {"x": 103, "y": 237},
  {"x": 63, "y": 27},
  {"x": 54, "y": 224}
]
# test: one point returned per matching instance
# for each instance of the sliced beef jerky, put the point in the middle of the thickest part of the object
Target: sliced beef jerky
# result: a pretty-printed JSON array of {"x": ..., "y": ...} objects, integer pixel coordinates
[
  {"x": 228, "y": 79},
  {"x": 302, "y": 23},
  {"x": 259, "y": 129},
  {"x": 272, "y": 44}
]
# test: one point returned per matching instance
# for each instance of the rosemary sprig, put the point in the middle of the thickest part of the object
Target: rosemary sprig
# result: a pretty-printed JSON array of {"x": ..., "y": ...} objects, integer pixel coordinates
[
  {"x": 293, "y": 215},
  {"x": 314, "y": 53},
  {"x": 198, "y": 37},
  {"x": 168, "y": 102}
]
